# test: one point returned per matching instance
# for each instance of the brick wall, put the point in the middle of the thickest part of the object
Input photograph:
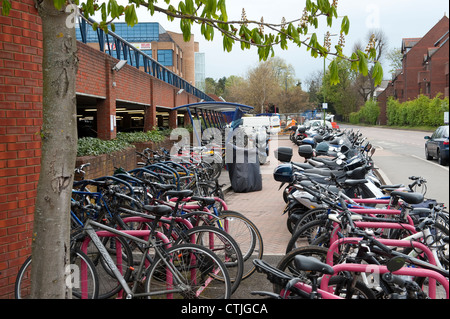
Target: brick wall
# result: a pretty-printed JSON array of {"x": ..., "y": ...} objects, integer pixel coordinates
[
  {"x": 20, "y": 121},
  {"x": 413, "y": 60},
  {"x": 91, "y": 71},
  {"x": 106, "y": 164},
  {"x": 406, "y": 85}
]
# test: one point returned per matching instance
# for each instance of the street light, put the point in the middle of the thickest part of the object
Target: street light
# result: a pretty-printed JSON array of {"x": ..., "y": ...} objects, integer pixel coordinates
[{"x": 324, "y": 104}]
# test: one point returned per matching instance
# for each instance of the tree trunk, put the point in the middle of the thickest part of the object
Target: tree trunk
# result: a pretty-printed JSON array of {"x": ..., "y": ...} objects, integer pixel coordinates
[{"x": 51, "y": 233}]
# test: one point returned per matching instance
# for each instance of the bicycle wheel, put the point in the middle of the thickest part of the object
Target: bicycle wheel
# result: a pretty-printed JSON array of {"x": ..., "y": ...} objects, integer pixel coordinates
[
  {"x": 83, "y": 278},
  {"x": 108, "y": 283},
  {"x": 310, "y": 216},
  {"x": 287, "y": 265},
  {"x": 188, "y": 271},
  {"x": 306, "y": 234},
  {"x": 222, "y": 244},
  {"x": 246, "y": 234}
]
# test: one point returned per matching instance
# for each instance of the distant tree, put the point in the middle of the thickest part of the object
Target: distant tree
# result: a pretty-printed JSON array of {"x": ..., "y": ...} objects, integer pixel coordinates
[
  {"x": 365, "y": 83},
  {"x": 394, "y": 57}
]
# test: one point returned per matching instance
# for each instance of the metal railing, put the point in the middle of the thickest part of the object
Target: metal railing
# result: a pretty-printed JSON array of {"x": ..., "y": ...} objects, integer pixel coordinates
[{"x": 119, "y": 48}]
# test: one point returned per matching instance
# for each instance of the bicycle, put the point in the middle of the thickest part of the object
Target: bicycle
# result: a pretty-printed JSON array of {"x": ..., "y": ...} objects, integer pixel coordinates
[{"x": 184, "y": 271}]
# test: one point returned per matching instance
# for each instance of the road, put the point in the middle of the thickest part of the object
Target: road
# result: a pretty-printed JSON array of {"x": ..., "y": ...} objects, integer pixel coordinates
[{"x": 400, "y": 154}]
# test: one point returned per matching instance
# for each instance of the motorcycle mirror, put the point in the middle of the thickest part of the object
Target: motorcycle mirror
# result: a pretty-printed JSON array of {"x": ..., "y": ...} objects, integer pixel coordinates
[{"x": 395, "y": 263}]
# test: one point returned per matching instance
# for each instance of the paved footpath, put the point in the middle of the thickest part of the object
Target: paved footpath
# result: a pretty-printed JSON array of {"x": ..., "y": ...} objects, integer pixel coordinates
[{"x": 264, "y": 208}]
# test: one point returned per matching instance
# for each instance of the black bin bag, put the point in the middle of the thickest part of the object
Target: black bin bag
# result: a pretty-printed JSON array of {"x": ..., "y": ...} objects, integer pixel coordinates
[{"x": 244, "y": 169}]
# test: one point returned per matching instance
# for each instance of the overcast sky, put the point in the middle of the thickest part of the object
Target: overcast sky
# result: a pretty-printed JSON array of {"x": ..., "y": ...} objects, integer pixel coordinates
[{"x": 396, "y": 18}]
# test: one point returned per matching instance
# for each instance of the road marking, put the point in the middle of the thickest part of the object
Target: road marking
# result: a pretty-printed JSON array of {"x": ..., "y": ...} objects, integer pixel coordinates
[{"x": 427, "y": 161}]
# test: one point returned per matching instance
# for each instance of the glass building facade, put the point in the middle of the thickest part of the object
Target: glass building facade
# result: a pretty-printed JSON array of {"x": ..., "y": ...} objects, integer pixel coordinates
[
  {"x": 200, "y": 71},
  {"x": 165, "y": 57},
  {"x": 141, "y": 32}
]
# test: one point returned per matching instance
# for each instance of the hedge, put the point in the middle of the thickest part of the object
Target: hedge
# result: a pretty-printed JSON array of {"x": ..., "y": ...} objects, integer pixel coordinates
[
  {"x": 421, "y": 111},
  {"x": 95, "y": 146},
  {"x": 368, "y": 114}
]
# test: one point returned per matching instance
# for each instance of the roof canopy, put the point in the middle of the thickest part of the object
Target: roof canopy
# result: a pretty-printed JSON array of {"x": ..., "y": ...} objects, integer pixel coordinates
[
  {"x": 211, "y": 110},
  {"x": 216, "y": 107}
]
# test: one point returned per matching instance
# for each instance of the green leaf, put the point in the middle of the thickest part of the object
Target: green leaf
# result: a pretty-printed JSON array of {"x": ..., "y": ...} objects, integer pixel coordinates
[
  {"x": 103, "y": 11},
  {"x": 354, "y": 65},
  {"x": 308, "y": 5},
  {"x": 185, "y": 26},
  {"x": 190, "y": 8},
  {"x": 227, "y": 43},
  {"x": 345, "y": 25},
  {"x": 256, "y": 37},
  {"x": 334, "y": 73},
  {"x": 362, "y": 64},
  {"x": 130, "y": 15},
  {"x": 377, "y": 74},
  {"x": 6, "y": 7},
  {"x": 292, "y": 31}
]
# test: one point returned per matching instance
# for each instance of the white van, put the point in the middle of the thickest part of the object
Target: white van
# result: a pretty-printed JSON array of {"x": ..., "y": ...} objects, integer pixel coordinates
[
  {"x": 270, "y": 123},
  {"x": 255, "y": 121}
]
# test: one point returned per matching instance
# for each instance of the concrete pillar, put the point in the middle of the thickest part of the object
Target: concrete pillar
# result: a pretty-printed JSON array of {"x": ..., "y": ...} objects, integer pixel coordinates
[
  {"x": 173, "y": 119},
  {"x": 106, "y": 109}
]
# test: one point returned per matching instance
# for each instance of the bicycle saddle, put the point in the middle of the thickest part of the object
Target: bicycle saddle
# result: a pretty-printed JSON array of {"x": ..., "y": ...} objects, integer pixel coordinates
[
  {"x": 308, "y": 263},
  {"x": 158, "y": 210},
  {"x": 204, "y": 200},
  {"x": 180, "y": 194},
  {"x": 354, "y": 182},
  {"x": 410, "y": 198}
]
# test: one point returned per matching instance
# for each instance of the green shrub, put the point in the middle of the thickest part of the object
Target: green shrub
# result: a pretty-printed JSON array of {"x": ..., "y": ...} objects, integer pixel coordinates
[
  {"x": 421, "y": 111},
  {"x": 368, "y": 114},
  {"x": 354, "y": 118},
  {"x": 136, "y": 137},
  {"x": 94, "y": 146}
]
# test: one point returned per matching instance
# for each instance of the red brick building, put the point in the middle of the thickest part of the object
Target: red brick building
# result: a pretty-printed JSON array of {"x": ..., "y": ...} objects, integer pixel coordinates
[{"x": 425, "y": 68}]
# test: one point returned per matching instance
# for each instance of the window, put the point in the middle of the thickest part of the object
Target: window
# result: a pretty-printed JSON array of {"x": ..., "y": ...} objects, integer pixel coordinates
[{"x": 165, "y": 57}]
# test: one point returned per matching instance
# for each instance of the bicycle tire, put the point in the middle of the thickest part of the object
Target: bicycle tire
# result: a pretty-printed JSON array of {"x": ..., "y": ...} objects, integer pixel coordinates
[
  {"x": 310, "y": 216},
  {"x": 223, "y": 245},
  {"x": 248, "y": 237},
  {"x": 306, "y": 234},
  {"x": 108, "y": 283},
  {"x": 195, "y": 285},
  {"x": 286, "y": 263},
  {"x": 23, "y": 284}
]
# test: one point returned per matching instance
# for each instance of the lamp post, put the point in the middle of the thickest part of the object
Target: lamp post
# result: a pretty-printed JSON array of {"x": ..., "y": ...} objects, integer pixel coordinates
[{"x": 324, "y": 104}]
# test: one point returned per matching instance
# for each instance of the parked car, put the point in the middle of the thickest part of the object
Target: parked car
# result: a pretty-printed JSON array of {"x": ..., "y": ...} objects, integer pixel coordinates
[{"x": 436, "y": 145}]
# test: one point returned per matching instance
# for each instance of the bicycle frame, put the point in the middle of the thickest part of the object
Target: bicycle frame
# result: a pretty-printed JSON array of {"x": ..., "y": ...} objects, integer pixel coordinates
[
  {"x": 397, "y": 243},
  {"x": 405, "y": 271},
  {"x": 132, "y": 235}
]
